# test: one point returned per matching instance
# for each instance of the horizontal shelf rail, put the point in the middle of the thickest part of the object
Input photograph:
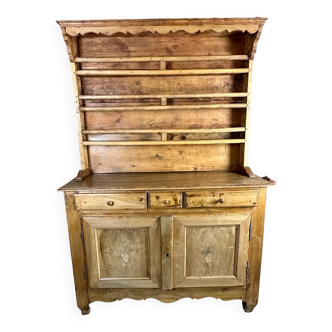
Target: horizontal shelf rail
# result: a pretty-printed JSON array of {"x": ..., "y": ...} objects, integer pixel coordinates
[
  {"x": 158, "y": 131},
  {"x": 198, "y": 95},
  {"x": 160, "y": 108},
  {"x": 161, "y": 72},
  {"x": 165, "y": 58},
  {"x": 184, "y": 142}
]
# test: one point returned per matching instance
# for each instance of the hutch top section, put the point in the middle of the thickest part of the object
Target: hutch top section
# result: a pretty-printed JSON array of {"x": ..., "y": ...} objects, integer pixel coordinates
[{"x": 162, "y": 95}]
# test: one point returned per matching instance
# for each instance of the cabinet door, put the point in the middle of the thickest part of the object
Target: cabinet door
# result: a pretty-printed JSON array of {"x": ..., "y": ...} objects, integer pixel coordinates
[
  {"x": 123, "y": 252},
  {"x": 210, "y": 251}
]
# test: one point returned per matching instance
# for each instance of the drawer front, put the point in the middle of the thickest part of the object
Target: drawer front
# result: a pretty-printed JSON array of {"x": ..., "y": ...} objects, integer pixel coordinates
[
  {"x": 111, "y": 201},
  {"x": 164, "y": 200},
  {"x": 221, "y": 198}
]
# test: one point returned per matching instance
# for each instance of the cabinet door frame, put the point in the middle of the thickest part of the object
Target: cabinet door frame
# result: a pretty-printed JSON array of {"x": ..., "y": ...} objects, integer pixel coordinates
[
  {"x": 90, "y": 228},
  {"x": 180, "y": 223}
]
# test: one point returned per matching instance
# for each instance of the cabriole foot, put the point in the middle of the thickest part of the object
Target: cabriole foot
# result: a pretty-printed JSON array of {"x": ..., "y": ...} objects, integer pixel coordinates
[
  {"x": 247, "y": 308},
  {"x": 86, "y": 310}
]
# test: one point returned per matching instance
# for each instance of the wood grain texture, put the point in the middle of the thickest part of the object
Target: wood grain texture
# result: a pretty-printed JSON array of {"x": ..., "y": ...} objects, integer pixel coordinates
[
  {"x": 168, "y": 85},
  {"x": 111, "y": 201},
  {"x": 164, "y": 142},
  {"x": 163, "y": 158},
  {"x": 162, "y": 58},
  {"x": 165, "y": 181},
  {"x": 212, "y": 253},
  {"x": 160, "y": 72},
  {"x": 168, "y": 296},
  {"x": 123, "y": 252},
  {"x": 77, "y": 253},
  {"x": 167, "y": 255},
  {"x": 159, "y": 200},
  {"x": 221, "y": 198},
  {"x": 162, "y": 119},
  {"x": 255, "y": 252},
  {"x": 162, "y": 46}
]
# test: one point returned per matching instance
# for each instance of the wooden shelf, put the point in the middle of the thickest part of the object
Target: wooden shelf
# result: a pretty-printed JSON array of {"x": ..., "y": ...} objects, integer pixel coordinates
[
  {"x": 160, "y": 72},
  {"x": 144, "y": 131},
  {"x": 160, "y": 108},
  {"x": 185, "y": 142},
  {"x": 197, "y": 95},
  {"x": 164, "y": 58}
]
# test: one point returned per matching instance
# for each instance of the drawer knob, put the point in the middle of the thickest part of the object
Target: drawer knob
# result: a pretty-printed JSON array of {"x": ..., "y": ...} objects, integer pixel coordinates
[
  {"x": 110, "y": 203},
  {"x": 221, "y": 200},
  {"x": 166, "y": 202}
]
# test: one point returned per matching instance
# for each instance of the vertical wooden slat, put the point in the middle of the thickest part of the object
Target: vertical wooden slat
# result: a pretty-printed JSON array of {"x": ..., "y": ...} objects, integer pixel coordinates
[
  {"x": 167, "y": 251},
  {"x": 77, "y": 254},
  {"x": 79, "y": 117},
  {"x": 163, "y": 67},
  {"x": 77, "y": 86},
  {"x": 246, "y": 121}
]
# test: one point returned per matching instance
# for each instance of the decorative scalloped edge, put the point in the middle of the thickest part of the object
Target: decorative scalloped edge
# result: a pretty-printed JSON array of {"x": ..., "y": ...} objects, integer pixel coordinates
[{"x": 135, "y": 30}]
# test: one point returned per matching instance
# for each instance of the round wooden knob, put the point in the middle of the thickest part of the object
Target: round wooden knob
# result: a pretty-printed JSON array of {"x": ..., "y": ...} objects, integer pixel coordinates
[
  {"x": 166, "y": 202},
  {"x": 110, "y": 203},
  {"x": 221, "y": 200}
]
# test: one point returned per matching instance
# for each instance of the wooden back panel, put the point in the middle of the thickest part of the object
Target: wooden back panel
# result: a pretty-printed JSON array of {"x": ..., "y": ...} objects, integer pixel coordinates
[{"x": 157, "y": 102}]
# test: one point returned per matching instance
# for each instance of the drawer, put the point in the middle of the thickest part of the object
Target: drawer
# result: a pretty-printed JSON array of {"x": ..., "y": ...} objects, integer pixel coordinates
[
  {"x": 111, "y": 201},
  {"x": 221, "y": 198},
  {"x": 164, "y": 200}
]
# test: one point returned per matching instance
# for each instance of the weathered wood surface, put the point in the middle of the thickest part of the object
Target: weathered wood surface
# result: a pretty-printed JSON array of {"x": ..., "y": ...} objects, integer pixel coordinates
[
  {"x": 167, "y": 85},
  {"x": 168, "y": 296},
  {"x": 214, "y": 251},
  {"x": 186, "y": 119},
  {"x": 163, "y": 158},
  {"x": 111, "y": 201},
  {"x": 163, "y": 26},
  {"x": 164, "y": 200},
  {"x": 123, "y": 252},
  {"x": 164, "y": 181},
  {"x": 221, "y": 198}
]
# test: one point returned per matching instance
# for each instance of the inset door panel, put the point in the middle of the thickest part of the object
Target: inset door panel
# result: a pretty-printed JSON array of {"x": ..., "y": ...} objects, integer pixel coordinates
[
  {"x": 210, "y": 250},
  {"x": 123, "y": 252}
]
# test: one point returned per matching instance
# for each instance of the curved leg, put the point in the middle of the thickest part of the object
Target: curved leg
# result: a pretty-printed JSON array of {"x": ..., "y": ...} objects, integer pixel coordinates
[
  {"x": 248, "y": 308},
  {"x": 86, "y": 310}
]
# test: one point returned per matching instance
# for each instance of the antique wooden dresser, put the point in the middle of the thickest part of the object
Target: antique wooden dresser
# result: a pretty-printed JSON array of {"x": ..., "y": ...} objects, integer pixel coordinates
[{"x": 165, "y": 205}]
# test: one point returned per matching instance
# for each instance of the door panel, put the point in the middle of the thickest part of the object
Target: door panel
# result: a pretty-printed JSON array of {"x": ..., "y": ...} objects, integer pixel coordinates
[
  {"x": 123, "y": 252},
  {"x": 210, "y": 250}
]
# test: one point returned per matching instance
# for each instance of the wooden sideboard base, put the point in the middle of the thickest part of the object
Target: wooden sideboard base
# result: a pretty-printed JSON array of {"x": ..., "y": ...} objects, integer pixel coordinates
[{"x": 168, "y": 296}]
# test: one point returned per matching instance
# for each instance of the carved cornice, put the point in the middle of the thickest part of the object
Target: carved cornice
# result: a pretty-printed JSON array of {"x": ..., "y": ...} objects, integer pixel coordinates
[
  {"x": 135, "y": 30},
  {"x": 162, "y": 26}
]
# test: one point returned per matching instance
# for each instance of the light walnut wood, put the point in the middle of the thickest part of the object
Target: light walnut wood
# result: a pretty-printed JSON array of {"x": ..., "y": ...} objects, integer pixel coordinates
[
  {"x": 140, "y": 131},
  {"x": 165, "y": 205},
  {"x": 197, "y": 95},
  {"x": 167, "y": 255},
  {"x": 165, "y": 58},
  {"x": 207, "y": 254},
  {"x": 110, "y": 201},
  {"x": 162, "y": 107},
  {"x": 160, "y": 72},
  {"x": 115, "y": 143},
  {"x": 168, "y": 296},
  {"x": 121, "y": 254},
  {"x": 164, "y": 200},
  {"x": 77, "y": 253},
  {"x": 221, "y": 199}
]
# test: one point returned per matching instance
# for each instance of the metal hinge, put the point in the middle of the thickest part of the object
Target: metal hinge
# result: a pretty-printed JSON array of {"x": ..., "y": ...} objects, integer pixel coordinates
[
  {"x": 247, "y": 271},
  {"x": 250, "y": 229}
]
